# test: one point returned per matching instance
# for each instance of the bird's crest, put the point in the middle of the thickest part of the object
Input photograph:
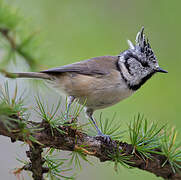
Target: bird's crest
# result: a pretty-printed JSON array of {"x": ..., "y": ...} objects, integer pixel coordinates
[{"x": 142, "y": 45}]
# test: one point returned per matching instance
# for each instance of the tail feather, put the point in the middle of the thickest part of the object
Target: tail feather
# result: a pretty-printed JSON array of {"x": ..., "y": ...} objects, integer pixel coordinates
[{"x": 32, "y": 75}]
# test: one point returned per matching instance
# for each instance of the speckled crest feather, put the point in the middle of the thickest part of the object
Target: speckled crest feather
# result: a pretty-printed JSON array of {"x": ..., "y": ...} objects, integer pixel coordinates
[{"x": 143, "y": 45}]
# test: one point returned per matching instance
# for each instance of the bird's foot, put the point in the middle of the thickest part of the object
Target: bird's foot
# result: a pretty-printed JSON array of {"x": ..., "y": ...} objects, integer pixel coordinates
[{"x": 106, "y": 138}]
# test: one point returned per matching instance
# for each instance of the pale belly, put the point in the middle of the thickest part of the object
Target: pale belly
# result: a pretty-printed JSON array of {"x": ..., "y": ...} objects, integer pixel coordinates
[
  {"x": 106, "y": 97},
  {"x": 95, "y": 93}
]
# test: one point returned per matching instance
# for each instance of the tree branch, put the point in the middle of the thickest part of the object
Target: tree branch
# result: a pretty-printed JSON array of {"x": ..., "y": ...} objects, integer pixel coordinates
[
  {"x": 17, "y": 47},
  {"x": 36, "y": 161},
  {"x": 5, "y": 33},
  {"x": 73, "y": 139}
]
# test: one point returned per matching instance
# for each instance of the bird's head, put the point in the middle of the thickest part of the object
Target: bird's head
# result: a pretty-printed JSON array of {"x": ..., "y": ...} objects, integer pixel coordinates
[{"x": 139, "y": 62}]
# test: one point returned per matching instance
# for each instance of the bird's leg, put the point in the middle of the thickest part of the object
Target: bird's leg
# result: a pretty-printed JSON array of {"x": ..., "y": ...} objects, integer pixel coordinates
[
  {"x": 89, "y": 113},
  {"x": 70, "y": 100},
  {"x": 99, "y": 132}
]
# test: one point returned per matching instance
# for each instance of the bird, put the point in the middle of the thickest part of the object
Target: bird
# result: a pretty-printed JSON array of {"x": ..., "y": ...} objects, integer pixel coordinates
[{"x": 103, "y": 81}]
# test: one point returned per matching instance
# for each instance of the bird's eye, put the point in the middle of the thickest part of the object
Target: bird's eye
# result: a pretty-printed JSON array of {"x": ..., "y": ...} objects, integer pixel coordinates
[
  {"x": 144, "y": 64},
  {"x": 154, "y": 61}
]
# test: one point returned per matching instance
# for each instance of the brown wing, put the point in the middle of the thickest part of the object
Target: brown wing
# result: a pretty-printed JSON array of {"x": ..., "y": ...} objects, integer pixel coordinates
[{"x": 99, "y": 65}]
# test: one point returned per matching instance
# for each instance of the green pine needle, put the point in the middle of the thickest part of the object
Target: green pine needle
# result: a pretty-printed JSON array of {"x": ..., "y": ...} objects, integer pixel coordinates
[
  {"x": 56, "y": 166},
  {"x": 75, "y": 158},
  {"x": 49, "y": 115},
  {"x": 55, "y": 171},
  {"x": 15, "y": 103},
  {"x": 77, "y": 109},
  {"x": 74, "y": 112},
  {"x": 17, "y": 38},
  {"x": 12, "y": 112},
  {"x": 9, "y": 17},
  {"x": 171, "y": 150},
  {"x": 119, "y": 158},
  {"x": 145, "y": 137}
]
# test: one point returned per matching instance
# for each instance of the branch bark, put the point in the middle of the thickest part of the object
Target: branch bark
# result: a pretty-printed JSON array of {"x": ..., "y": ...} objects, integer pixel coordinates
[
  {"x": 73, "y": 139},
  {"x": 36, "y": 161}
]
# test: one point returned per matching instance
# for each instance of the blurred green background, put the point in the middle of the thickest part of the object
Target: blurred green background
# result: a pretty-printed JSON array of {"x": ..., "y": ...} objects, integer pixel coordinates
[{"x": 81, "y": 29}]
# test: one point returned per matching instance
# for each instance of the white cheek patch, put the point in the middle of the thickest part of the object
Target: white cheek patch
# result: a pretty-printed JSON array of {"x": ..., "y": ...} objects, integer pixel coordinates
[
  {"x": 124, "y": 71},
  {"x": 121, "y": 60}
]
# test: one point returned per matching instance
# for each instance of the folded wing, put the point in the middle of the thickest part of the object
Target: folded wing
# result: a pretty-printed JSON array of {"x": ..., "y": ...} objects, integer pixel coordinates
[{"x": 99, "y": 65}]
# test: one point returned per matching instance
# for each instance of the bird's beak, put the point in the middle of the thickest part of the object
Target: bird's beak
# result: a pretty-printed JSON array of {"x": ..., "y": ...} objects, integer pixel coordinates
[{"x": 158, "y": 69}]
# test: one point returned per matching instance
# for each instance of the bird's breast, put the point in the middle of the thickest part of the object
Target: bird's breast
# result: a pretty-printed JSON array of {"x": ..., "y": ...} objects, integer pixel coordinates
[
  {"x": 108, "y": 96},
  {"x": 98, "y": 91}
]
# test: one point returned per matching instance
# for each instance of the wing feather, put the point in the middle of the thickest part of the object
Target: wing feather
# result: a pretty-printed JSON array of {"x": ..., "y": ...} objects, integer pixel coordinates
[{"x": 99, "y": 65}]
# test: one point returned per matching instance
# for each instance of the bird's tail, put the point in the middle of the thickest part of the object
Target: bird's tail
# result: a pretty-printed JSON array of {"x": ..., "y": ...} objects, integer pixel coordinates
[{"x": 28, "y": 75}]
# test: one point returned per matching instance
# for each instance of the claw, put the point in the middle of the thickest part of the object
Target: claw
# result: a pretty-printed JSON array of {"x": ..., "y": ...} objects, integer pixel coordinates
[{"x": 106, "y": 138}]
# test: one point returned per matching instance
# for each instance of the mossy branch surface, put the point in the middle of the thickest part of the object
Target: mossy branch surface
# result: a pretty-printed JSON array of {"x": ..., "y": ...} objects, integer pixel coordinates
[{"x": 73, "y": 139}]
